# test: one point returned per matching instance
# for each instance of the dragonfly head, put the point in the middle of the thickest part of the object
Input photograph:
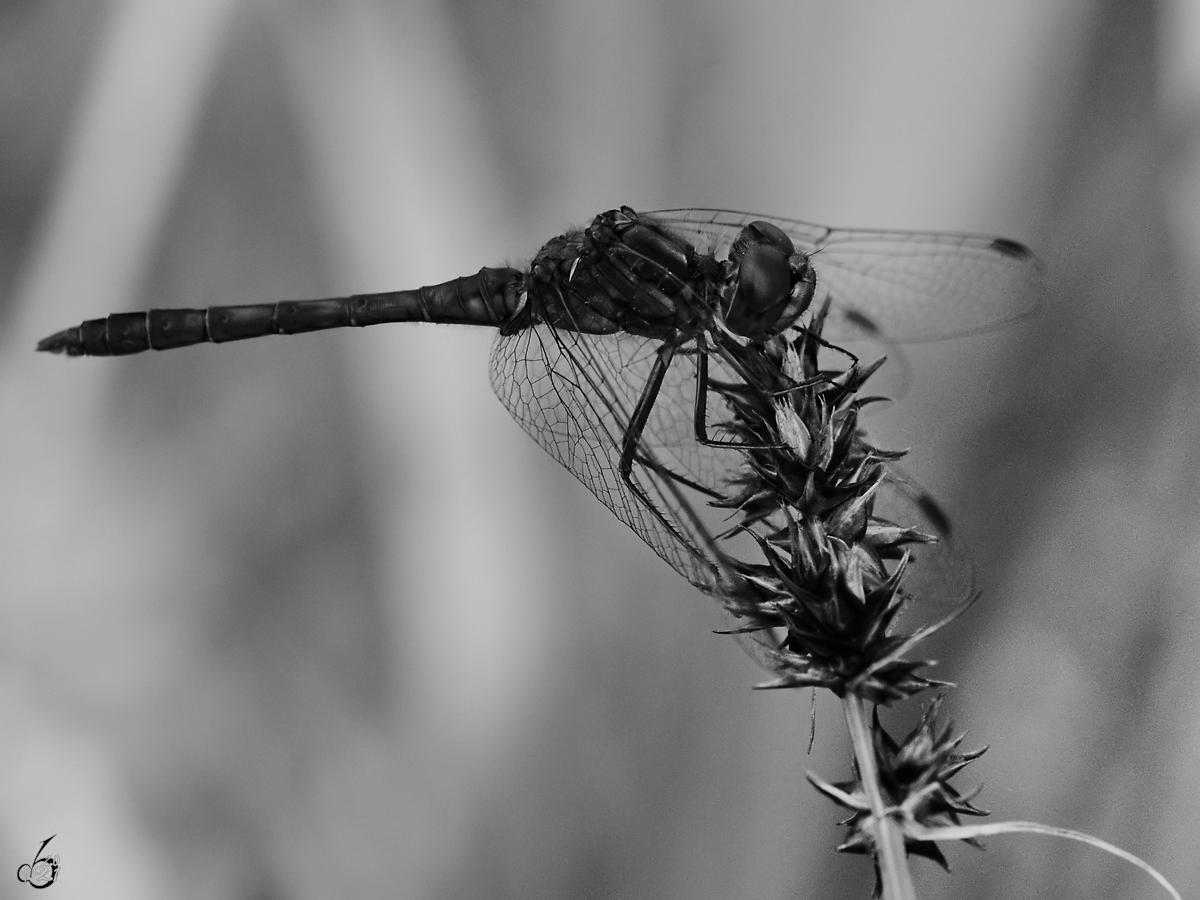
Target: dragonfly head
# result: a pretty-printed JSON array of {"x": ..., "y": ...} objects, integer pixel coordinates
[{"x": 771, "y": 284}]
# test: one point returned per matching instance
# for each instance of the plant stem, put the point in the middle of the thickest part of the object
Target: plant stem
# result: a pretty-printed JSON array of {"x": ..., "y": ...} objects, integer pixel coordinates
[{"x": 889, "y": 841}]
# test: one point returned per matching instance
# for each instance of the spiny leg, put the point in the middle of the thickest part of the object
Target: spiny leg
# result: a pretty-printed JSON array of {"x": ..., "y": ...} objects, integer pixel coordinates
[
  {"x": 700, "y": 413},
  {"x": 641, "y": 413},
  {"x": 808, "y": 350},
  {"x": 631, "y": 449},
  {"x": 632, "y": 439},
  {"x": 831, "y": 346}
]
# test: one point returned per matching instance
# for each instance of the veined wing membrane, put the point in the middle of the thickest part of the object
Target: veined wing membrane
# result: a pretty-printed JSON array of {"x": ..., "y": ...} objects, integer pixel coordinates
[
  {"x": 941, "y": 576},
  {"x": 904, "y": 285},
  {"x": 575, "y": 394}
]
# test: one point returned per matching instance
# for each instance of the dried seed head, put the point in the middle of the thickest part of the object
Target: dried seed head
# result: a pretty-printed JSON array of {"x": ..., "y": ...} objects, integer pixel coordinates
[
  {"x": 832, "y": 571},
  {"x": 792, "y": 429}
]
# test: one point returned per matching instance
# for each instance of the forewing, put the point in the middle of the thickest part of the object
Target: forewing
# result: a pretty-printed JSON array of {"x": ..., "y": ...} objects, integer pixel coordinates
[
  {"x": 575, "y": 395},
  {"x": 899, "y": 285}
]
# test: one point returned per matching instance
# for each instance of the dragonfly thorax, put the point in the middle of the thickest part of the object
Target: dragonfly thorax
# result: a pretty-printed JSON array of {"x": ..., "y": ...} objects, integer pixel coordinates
[
  {"x": 623, "y": 273},
  {"x": 627, "y": 272}
]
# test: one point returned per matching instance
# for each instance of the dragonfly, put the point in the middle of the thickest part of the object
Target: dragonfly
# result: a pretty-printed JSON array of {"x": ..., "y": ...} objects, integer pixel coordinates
[{"x": 609, "y": 342}]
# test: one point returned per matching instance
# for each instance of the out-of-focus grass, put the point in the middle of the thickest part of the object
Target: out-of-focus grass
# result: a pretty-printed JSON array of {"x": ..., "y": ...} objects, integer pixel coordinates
[{"x": 311, "y": 616}]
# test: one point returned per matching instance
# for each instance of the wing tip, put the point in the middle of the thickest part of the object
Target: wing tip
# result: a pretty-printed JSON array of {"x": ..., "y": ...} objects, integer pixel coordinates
[{"x": 1012, "y": 249}]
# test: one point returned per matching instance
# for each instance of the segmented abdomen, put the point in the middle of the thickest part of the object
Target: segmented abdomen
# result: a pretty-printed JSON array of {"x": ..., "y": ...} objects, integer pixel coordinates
[{"x": 489, "y": 297}]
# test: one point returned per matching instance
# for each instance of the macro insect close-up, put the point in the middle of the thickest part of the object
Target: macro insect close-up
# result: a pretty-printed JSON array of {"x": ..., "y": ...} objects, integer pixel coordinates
[
  {"x": 606, "y": 345},
  {"x": 306, "y": 613}
]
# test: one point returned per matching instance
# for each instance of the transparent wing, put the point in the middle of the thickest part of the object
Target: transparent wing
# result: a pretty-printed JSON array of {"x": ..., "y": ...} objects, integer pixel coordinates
[
  {"x": 575, "y": 394},
  {"x": 901, "y": 285},
  {"x": 940, "y": 576}
]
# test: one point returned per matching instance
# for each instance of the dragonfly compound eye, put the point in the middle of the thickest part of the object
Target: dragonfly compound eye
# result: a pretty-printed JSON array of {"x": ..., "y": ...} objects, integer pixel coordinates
[
  {"x": 760, "y": 233},
  {"x": 761, "y": 293},
  {"x": 770, "y": 233}
]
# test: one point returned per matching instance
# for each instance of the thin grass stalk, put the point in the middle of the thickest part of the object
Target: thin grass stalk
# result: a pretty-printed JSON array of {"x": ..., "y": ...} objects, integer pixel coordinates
[{"x": 894, "y": 875}]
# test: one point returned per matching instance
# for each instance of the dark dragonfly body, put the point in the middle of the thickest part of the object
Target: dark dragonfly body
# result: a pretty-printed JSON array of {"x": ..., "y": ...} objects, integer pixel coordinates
[
  {"x": 617, "y": 347},
  {"x": 623, "y": 273},
  {"x": 627, "y": 273}
]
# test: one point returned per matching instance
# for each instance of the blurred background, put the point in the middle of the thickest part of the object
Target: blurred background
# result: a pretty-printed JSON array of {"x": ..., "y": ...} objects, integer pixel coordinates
[{"x": 312, "y": 617}]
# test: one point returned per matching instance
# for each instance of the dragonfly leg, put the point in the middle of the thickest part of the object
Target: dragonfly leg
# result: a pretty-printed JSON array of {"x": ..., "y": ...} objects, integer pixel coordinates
[
  {"x": 700, "y": 414},
  {"x": 812, "y": 341},
  {"x": 806, "y": 383},
  {"x": 632, "y": 450},
  {"x": 834, "y": 347},
  {"x": 641, "y": 413}
]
